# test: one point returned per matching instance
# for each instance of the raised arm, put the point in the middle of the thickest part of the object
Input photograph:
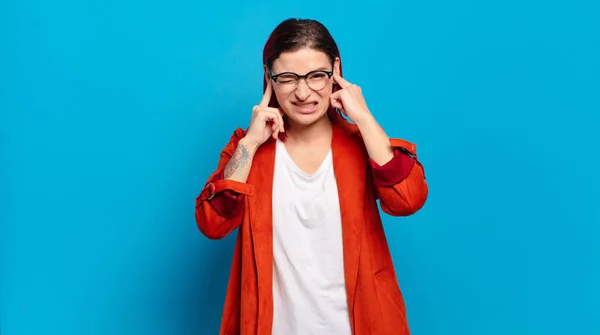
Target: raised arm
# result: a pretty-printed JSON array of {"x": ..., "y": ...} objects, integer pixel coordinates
[
  {"x": 398, "y": 176},
  {"x": 220, "y": 205}
]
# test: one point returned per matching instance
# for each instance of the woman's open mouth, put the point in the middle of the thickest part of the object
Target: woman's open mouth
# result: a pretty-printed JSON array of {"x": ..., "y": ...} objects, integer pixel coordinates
[{"x": 306, "y": 107}]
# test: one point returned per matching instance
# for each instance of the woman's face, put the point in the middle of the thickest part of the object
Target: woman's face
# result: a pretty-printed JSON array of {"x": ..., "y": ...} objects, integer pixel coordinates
[{"x": 306, "y": 100}]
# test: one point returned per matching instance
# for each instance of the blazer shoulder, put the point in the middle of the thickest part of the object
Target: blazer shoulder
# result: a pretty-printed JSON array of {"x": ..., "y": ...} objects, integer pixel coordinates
[
  {"x": 238, "y": 133},
  {"x": 234, "y": 139}
]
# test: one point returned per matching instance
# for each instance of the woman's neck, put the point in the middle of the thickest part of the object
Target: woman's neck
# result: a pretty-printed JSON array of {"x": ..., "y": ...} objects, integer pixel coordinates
[{"x": 317, "y": 132}]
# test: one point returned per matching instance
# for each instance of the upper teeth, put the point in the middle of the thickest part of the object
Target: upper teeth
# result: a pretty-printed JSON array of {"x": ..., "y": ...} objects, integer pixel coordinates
[{"x": 307, "y": 105}]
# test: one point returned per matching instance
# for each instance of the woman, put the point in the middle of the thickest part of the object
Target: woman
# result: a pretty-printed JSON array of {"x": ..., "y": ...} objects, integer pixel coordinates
[{"x": 301, "y": 185}]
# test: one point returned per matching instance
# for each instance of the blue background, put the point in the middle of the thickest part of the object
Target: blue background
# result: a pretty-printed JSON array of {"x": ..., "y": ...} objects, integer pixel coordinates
[{"x": 114, "y": 114}]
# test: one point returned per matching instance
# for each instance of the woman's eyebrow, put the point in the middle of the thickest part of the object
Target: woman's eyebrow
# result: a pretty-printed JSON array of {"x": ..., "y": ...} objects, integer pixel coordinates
[{"x": 322, "y": 68}]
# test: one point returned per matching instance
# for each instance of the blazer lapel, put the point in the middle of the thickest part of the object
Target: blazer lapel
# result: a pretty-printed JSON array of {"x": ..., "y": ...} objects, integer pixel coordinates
[
  {"x": 350, "y": 170},
  {"x": 261, "y": 226}
]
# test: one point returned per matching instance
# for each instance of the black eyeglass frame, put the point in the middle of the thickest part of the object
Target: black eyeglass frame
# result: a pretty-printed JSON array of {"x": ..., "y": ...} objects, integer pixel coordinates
[{"x": 274, "y": 77}]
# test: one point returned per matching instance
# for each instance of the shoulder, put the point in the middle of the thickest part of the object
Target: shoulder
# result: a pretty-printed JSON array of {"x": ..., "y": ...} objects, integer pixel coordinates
[
  {"x": 234, "y": 139},
  {"x": 348, "y": 139},
  {"x": 238, "y": 134}
]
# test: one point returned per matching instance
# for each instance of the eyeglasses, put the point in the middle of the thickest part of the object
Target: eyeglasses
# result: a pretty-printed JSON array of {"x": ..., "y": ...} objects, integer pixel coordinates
[{"x": 287, "y": 82}]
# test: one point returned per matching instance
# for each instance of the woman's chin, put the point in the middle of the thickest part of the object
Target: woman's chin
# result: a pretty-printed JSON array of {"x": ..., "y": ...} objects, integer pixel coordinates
[{"x": 307, "y": 119}]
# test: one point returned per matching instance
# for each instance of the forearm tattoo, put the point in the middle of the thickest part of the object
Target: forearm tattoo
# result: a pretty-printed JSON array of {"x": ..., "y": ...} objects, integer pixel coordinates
[{"x": 239, "y": 160}]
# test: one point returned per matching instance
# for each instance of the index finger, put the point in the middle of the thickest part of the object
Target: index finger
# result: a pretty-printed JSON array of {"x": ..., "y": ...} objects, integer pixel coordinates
[
  {"x": 267, "y": 96},
  {"x": 341, "y": 81}
]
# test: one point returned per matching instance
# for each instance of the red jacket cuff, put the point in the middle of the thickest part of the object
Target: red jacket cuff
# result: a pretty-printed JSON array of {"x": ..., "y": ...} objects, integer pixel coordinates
[
  {"x": 227, "y": 203},
  {"x": 394, "y": 171}
]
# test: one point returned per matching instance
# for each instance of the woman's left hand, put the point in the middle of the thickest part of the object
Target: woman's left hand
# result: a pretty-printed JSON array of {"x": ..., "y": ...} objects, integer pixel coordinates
[{"x": 349, "y": 100}]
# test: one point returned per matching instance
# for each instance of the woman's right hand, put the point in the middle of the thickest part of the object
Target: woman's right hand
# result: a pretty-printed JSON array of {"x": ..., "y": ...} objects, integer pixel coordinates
[{"x": 265, "y": 122}]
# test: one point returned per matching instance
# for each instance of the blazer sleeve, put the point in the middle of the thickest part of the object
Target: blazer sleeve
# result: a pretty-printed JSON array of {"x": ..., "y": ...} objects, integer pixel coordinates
[
  {"x": 220, "y": 204},
  {"x": 400, "y": 184}
]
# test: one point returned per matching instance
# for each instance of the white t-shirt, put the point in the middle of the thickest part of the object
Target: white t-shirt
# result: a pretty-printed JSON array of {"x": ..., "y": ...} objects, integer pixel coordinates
[{"x": 309, "y": 288}]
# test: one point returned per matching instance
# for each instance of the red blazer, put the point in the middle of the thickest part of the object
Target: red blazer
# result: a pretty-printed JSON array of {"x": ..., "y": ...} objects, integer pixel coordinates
[{"x": 375, "y": 303}]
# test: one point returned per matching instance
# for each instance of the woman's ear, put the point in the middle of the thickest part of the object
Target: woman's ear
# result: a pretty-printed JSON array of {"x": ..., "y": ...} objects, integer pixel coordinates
[
  {"x": 337, "y": 71},
  {"x": 266, "y": 72},
  {"x": 267, "y": 78}
]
